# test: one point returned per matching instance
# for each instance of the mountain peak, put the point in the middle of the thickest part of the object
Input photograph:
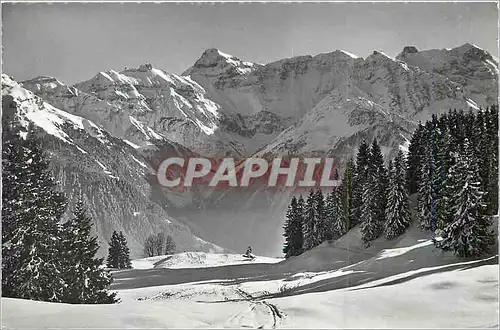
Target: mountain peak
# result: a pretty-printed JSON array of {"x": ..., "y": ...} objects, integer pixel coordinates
[
  {"x": 43, "y": 80},
  {"x": 145, "y": 67},
  {"x": 378, "y": 54},
  {"x": 214, "y": 59},
  {"x": 409, "y": 50}
]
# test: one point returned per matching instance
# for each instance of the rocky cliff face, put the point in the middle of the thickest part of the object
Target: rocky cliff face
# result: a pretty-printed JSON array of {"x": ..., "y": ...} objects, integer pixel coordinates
[{"x": 308, "y": 105}]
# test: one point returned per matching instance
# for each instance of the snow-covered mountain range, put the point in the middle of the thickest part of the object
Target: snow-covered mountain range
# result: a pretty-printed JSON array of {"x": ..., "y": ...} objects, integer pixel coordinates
[{"x": 108, "y": 133}]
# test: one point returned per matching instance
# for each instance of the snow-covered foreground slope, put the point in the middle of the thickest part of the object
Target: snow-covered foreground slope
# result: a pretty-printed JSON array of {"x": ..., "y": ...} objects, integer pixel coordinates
[
  {"x": 460, "y": 298},
  {"x": 198, "y": 260},
  {"x": 409, "y": 284}
]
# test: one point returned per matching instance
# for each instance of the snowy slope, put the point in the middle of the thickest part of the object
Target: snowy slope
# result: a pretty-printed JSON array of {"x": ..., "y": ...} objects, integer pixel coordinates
[
  {"x": 198, "y": 260},
  {"x": 459, "y": 298},
  {"x": 404, "y": 283}
]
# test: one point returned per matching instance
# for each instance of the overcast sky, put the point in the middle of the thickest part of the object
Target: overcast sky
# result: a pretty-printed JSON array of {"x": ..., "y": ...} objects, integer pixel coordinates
[{"x": 75, "y": 41}]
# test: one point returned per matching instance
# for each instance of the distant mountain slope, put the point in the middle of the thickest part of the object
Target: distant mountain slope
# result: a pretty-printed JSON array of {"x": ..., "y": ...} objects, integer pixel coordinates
[{"x": 110, "y": 174}]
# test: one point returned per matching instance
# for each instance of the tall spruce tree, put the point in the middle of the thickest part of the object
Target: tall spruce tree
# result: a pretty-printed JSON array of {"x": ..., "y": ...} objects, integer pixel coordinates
[
  {"x": 323, "y": 224},
  {"x": 380, "y": 184},
  {"x": 309, "y": 224},
  {"x": 491, "y": 140},
  {"x": 13, "y": 168},
  {"x": 336, "y": 214},
  {"x": 85, "y": 281},
  {"x": 398, "y": 213},
  {"x": 298, "y": 240},
  {"x": 426, "y": 192},
  {"x": 32, "y": 265},
  {"x": 114, "y": 251},
  {"x": 469, "y": 233},
  {"x": 124, "y": 256},
  {"x": 444, "y": 181},
  {"x": 346, "y": 193},
  {"x": 414, "y": 160},
  {"x": 371, "y": 228},
  {"x": 293, "y": 229},
  {"x": 290, "y": 215},
  {"x": 358, "y": 182}
]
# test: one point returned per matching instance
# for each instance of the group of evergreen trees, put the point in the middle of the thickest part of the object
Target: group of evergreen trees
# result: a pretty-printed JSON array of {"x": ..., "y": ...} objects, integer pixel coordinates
[
  {"x": 43, "y": 259},
  {"x": 118, "y": 253},
  {"x": 370, "y": 195},
  {"x": 452, "y": 166}
]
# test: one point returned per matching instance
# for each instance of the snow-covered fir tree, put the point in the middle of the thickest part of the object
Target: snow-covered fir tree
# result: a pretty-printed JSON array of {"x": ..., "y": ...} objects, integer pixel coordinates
[
  {"x": 444, "y": 181},
  {"x": 124, "y": 259},
  {"x": 491, "y": 155},
  {"x": 346, "y": 192},
  {"x": 293, "y": 229},
  {"x": 335, "y": 213},
  {"x": 358, "y": 182},
  {"x": 380, "y": 185},
  {"x": 13, "y": 166},
  {"x": 31, "y": 265},
  {"x": 414, "y": 160},
  {"x": 323, "y": 224},
  {"x": 371, "y": 228},
  {"x": 309, "y": 224},
  {"x": 469, "y": 233},
  {"x": 114, "y": 251},
  {"x": 85, "y": 281},
  {"x": 290, "y": 215},
  {"x": 398, "y": 213},
  {"x": 426, "y": 192}
]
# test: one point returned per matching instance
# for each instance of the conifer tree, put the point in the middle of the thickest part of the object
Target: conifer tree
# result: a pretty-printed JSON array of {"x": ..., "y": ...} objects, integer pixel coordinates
[
  {"x": 469, "y": 233},
  {"x": 380, "y": 184},
  {"x": 298, "y": 246},
  {"x": 444, "y": 181},
  {"x": 358, "y": 182},
  {"x": 323, "y": 224},
  {"x": 398, "y": 214},
  {"x": 114, "y": 251},
  {"x": 371, "y": 228},
  {"x": 85, "y": 281},
  {"x": 32, "y": 264},
  {"x": 13, "y": 168},
  {"x": 491, "y": 140},
  {"x": 414, "y": 160},
  {"x": 293, "y": 229},
  {"x": 346, "y": 193},
  {"x": 309, "y": 224},
  {"x": 124, "y": 256},
  {"x": 290, "y": 216},
  {"x": 336, "y": 214},
  {"x": 426, "y": 193}
]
